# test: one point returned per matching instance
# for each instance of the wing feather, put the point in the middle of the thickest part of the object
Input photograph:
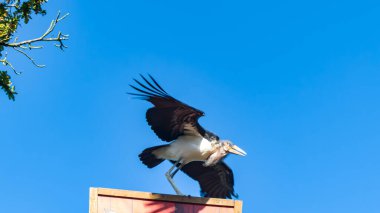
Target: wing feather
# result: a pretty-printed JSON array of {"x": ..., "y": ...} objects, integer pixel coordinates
[
  {"x": 169, "y": 118},
  {"x": 153, "y": 92},
  {"x": 155, "y": 82},
  {"x": 215, "y": 181},
  {"x": 152, "y": 86}
]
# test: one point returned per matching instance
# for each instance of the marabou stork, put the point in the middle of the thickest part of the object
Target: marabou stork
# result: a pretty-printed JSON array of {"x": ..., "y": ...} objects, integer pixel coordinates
[{"x": 193, "y": 150}]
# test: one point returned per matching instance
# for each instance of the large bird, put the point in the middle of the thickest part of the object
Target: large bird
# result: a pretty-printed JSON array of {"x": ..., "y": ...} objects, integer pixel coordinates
[{"x": 192, "y": 149}]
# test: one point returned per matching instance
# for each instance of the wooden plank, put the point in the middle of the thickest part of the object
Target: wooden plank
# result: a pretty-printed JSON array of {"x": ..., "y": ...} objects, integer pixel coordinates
[
  {"x": 121, "y": 205},
  {"x": 226, "y": 210},
  {"x": 93, "y": 200},
  {"x": 184, "y": 208},
  {"x": 147, "y": 206},
  {"x": 238, "y": 206},
  {"x": 104, "y": 204},
  {"x": 206, "y": 209},
  {"x": 165, "y": 197},
  {"x": 114, "y": 204},
  {"x": 103, "y": 200}
]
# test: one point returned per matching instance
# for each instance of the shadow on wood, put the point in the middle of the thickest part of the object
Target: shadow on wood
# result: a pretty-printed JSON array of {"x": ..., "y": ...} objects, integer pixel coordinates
[{"x": 104, "y": 200}]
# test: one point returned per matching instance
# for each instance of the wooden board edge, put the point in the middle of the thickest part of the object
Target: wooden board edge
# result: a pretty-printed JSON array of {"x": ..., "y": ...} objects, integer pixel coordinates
[
  {"x": 238, "y": 208},
  {"x": 165, "y": 197},
  {"x": 93, "y": 205}
]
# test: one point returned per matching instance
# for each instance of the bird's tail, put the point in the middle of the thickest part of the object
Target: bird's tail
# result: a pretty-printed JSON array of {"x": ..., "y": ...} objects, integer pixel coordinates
[{"x": 149, "y": 159}]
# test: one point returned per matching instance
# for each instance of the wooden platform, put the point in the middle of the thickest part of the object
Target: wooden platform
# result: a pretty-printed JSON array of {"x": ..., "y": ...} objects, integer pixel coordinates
[{"x": 103, "y": 200}]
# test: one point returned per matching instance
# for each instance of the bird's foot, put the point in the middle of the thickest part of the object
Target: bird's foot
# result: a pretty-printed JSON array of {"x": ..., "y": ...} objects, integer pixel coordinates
[{"x": 178, "y": 192}]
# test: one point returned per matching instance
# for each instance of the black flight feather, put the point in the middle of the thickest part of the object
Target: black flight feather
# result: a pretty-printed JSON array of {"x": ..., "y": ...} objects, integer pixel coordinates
[{"x": 169, "y": 116}]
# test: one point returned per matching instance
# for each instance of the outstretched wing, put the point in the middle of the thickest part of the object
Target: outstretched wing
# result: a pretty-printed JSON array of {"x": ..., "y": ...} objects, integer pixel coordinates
[
  {"x": 215, "y": 181},
  {"x": 169, "y": 118}
]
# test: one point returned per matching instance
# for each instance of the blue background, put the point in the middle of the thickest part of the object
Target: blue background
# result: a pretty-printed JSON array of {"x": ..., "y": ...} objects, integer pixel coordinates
[{"x": 295, "y": 84}]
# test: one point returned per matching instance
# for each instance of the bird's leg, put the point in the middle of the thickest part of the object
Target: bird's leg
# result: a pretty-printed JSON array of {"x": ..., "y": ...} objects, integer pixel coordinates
[
  {"x": 178, "y": 168},
  {"x": 169, "y": 177}
]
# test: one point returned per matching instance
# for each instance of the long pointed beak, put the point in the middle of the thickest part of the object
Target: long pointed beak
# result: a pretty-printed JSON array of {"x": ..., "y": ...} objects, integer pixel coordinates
[{"x": 236, "y": 150}]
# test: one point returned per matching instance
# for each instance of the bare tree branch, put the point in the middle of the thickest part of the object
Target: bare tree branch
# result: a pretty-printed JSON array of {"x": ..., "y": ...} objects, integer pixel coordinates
[
  {"x": 29, "y": 47},
  {"x": 28, "y": 44},
  {"x": 30, "y": 58},
  {"x": 60, "y": 37},
  {"x": 13, "y": 12}
]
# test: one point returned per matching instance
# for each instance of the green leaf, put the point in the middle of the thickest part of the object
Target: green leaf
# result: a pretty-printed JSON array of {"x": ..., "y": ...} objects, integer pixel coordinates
[{"x": 6, "y": 85}]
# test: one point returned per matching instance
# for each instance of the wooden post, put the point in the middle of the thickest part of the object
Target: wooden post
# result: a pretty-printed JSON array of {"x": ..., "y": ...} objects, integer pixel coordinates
[{"x": 103, "y": 200}]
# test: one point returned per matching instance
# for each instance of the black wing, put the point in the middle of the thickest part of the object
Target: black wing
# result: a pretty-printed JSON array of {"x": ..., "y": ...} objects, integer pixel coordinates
[
  {"x": 215, "y": 181},
  {"x": 169, "y": 118}
]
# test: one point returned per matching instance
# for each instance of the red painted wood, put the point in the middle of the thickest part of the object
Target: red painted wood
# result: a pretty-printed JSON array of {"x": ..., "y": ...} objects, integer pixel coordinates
[
  {"x": 206, "y": 209},
  {"x": 149, "y": 206},
  {"x": 184, "y": 208}
]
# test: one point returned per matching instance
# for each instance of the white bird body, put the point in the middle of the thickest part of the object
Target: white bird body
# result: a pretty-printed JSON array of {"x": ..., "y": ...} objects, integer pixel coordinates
[{"x": 186, "y": 148}]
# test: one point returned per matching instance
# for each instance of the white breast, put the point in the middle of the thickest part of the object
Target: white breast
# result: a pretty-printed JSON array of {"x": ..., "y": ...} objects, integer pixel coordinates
[{"x": 188, "y": 148}]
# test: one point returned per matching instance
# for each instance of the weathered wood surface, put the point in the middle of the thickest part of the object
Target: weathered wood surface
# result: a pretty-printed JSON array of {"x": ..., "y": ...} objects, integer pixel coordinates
[{"x": 103, "y": 200}]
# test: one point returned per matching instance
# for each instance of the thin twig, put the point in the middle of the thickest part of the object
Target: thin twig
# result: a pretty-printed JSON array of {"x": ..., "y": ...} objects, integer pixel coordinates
[
  {"x": 12, "y": 5},
  {"x": 29, "y": 47},
  {"x": 7, "y": 63},
  {"x": 30, "y": 58}
]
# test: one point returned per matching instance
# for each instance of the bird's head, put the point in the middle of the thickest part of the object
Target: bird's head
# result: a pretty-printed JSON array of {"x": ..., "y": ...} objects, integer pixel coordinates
[
  {"x": 222, "y": 149},
  {"x": 229, "y": 147}
]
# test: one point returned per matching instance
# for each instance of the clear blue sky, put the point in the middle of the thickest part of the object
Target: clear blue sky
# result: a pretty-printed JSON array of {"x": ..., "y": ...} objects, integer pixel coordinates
[{"x": 296, "y": 84}]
